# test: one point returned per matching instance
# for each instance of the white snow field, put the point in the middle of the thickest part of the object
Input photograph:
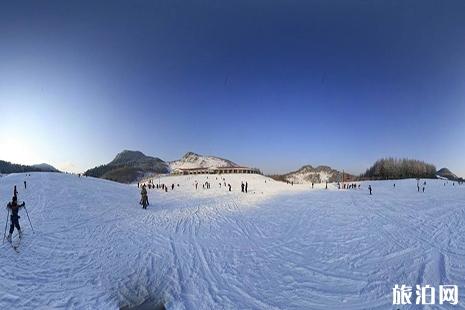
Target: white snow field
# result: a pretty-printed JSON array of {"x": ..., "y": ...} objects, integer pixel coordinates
[{"x": 277, "y": 247}]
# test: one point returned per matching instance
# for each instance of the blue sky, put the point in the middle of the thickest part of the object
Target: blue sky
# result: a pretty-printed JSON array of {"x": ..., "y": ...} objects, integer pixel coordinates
[{"x": 269, "y": 84}]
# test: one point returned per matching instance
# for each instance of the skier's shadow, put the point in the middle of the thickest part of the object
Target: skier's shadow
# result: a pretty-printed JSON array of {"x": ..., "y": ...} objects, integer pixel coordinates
[{"x": 146, "y": 305}]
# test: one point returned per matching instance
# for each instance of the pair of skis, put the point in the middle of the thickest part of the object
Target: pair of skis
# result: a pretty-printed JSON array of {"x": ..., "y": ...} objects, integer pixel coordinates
[{"x": 15, "y": 244}]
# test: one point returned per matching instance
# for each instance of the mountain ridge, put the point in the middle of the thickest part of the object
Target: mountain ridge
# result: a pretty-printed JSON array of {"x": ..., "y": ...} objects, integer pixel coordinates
[
  {"x": 7, "y": 167},
  {"x": 446, "y": 173},
  {"x": 129, "y": 166},
  {"x": 308, "y": 174}
]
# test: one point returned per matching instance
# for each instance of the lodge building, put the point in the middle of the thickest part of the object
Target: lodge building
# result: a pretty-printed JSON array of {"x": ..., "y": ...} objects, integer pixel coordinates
[{"x": 217, "y": 170}]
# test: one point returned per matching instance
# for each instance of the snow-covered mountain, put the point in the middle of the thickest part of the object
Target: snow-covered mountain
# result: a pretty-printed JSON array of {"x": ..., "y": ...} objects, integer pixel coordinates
[
  {"x": 192, "y": 160},
  {"x": 320, "y": 174},
  {"x": 446, "y": 174}
]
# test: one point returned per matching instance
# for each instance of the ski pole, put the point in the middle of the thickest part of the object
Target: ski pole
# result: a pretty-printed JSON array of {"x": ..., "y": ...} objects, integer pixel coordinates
[
  {"x": 6, "y": 224},
  {"x": 29, "y": 219}
]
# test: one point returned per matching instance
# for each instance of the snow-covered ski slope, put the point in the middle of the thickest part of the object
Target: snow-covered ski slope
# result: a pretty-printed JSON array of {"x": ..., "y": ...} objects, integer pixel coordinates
[{"x": 277, "y": 247}]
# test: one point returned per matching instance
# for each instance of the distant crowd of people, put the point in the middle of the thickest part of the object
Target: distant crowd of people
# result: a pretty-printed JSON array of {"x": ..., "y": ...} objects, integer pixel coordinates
[
  {"x": 150, "y": 184},
  {"x": 348, "y": 186}
]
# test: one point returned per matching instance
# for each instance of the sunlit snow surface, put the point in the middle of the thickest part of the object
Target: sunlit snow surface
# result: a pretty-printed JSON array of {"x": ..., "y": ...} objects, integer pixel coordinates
[{"x": 277, "y": 247}]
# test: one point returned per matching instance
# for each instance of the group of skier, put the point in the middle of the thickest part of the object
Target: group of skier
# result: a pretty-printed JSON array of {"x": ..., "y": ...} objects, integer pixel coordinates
[
  {"x": 418, "y": 185},
  {"x": 346, "y": 186},
  {"x": 207, "y": 184},
  {"x": 244, "y": 187},
  {"x": 453, "y": 183},
  {"x": 351, "y": 186},
  {"x": 144, "y": 201},
  {"x": 228, "y": 185}
]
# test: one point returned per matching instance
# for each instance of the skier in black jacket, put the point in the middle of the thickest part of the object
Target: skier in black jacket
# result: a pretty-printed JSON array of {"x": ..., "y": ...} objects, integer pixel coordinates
[
  {"x": 14, "y": 207},
  {"x": 144, "y": 200}
]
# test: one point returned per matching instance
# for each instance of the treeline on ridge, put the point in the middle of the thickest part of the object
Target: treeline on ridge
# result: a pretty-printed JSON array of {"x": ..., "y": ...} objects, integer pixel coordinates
[
  {"x": 121, "y": 173},
  {"x": 99, "y": 171},
  {"x": 394, "y": 168},
  {"x": 7, "y": 168}
]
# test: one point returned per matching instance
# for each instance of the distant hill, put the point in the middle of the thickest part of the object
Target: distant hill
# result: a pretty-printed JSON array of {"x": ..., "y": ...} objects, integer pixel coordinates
[
  {"x": 309, "y": 174},
  {"x": 129, "y": 166},
  {"x": 394, "y": 168},
  {"x": 192, "y": 160},
  {"x": 7, "y": 167},
  {"x": 446, "y": 173},
  {"x": 46, "y": 167}
]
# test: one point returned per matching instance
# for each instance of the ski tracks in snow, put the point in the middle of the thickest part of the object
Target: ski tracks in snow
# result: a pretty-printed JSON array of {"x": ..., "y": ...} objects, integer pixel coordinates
[{"x": 95, "y": 247}]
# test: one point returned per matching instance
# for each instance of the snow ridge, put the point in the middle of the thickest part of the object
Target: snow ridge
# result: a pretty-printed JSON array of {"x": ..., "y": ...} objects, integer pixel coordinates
[
  {"x": 192, "y": 160},
  {"x": 308, "y": 174}
]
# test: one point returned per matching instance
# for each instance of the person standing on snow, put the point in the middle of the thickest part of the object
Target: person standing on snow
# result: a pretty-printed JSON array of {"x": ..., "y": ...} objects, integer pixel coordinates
[
  {"x": 144, "y": 201},
  {"x": 24, "y": 184},
  {"x": 246, "y": 187},
  {"x": 369, "y": 188},
  {"x": 14, "y": 208}
]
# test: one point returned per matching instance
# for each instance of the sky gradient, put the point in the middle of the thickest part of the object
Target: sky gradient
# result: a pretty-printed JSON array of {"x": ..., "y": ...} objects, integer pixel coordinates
[{"x": 269, "y": 84}]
